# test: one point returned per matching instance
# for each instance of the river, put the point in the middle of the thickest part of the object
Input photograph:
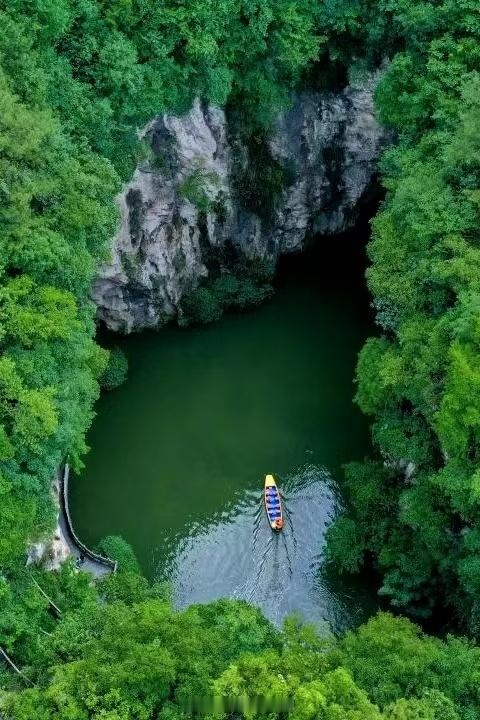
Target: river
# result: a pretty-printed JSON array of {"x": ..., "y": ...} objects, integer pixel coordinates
[{"x": 179, "y": 452}]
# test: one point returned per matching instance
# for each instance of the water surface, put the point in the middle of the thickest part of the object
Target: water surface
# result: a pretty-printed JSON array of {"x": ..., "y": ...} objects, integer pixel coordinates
[{"x": 179, "y": 452}]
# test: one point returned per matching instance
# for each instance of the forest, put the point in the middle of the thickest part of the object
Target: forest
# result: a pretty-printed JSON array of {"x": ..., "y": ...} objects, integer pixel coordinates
[{"x": 77, "y": 78}]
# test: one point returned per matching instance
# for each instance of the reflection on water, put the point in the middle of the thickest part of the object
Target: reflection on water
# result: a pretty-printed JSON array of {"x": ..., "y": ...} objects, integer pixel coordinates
[{"x": 239, "y": 556}]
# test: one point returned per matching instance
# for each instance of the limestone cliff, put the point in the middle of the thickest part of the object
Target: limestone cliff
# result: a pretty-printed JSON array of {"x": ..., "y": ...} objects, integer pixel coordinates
[{"x": 183, "y": 201}]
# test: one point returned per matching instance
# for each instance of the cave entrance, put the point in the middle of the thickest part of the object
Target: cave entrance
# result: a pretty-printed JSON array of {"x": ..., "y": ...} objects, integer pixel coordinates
[{"x": 180, "y": 451}]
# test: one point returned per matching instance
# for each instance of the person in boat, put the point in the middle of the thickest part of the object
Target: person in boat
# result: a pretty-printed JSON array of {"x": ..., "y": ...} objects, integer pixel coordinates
[{"x": 279, "y": 523}]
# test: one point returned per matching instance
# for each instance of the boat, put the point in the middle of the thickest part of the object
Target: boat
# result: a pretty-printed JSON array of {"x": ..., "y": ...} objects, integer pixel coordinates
[{"x": 273, "y": 504}]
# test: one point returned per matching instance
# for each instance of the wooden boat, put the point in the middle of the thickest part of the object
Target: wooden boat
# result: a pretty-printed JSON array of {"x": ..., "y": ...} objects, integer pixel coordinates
[{"x": 273, "y": 504}]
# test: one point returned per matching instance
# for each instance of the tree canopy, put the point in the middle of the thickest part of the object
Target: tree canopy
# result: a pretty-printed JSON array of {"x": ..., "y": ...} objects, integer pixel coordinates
[
  {"x": 416, "y": 509},
  {"x": 133, "y": 657},
  {"x": 77, "y": 80}
]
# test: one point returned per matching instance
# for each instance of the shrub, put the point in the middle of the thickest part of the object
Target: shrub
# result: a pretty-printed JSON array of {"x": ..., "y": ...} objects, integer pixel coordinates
[
  {"x": 201, "y": 307},
  {"x": 227, "y": 292},
  {"x": 193, "y": 188},
  {"x": 116, "y": 371},
  {"x": 116, "y": 548}
]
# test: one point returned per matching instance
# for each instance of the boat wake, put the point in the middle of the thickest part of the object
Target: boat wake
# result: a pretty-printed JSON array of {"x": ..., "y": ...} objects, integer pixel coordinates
[{"x": 239, "y": 556}]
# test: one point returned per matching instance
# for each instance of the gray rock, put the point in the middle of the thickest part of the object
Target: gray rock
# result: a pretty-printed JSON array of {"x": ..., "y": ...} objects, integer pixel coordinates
[
  {"x": 181, "y": 204},
  {"x": 52, "y": 551}
]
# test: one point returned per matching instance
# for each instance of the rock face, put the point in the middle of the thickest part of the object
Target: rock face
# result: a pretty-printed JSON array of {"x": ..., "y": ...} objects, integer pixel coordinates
[
  {"x": 53, "y": 551},
  {"x": 183, "y": 203}
]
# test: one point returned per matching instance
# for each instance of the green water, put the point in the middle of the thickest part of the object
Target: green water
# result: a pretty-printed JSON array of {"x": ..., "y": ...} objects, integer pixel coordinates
[{"x": 179, "y": 452}]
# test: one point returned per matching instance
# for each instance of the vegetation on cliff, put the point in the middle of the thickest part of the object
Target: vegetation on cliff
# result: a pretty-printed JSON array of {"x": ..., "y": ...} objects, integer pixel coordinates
[
  {"x": 76, "y": 79},
  {"x": 246, "y": 285}
]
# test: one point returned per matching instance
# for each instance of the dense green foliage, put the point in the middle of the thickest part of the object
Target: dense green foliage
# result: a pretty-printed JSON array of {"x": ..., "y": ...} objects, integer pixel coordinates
[
  {"x": 115, "y": 547},
  {"x": 417, "y": 510},
  {"x": 51, "y": 191},
  {"x": 133, "y": 657},
  {"x": 76, "y": 80},
  {"x": 116, "y": 371},
  {"x": 247, "y": 287}
]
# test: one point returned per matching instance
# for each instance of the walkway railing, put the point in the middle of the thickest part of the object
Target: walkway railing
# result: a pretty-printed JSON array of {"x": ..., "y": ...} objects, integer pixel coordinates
[{"x": 65, "y": 510}]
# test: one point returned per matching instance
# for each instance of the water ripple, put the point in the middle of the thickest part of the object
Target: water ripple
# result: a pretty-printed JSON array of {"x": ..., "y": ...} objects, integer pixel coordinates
[{"x": 236, "y": 555}]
